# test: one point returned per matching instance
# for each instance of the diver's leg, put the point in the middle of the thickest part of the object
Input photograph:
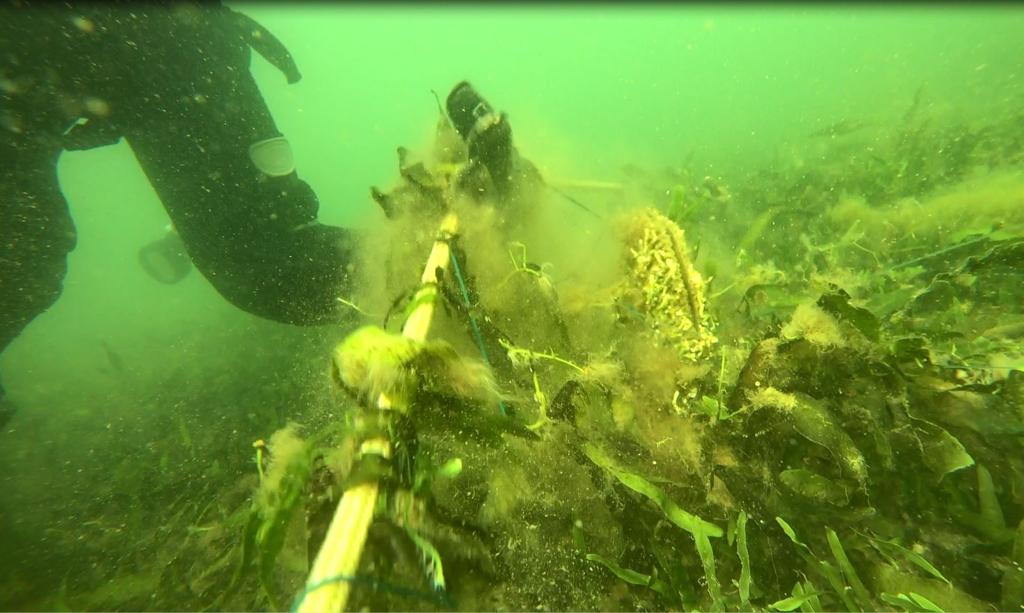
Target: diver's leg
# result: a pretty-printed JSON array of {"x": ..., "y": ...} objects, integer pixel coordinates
[
  {"x": 195, "y": 113},
  {"x": 36, "y": 234}
]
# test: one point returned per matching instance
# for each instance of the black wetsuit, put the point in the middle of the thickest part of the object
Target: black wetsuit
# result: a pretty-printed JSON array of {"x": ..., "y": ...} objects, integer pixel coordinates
[{"x": 174, "y": 82}]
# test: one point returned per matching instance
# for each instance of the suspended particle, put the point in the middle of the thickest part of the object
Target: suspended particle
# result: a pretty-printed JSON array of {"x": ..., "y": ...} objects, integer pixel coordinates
[
  {"x": 83, "y": 24},
  {"x": 97, "y": 107}
]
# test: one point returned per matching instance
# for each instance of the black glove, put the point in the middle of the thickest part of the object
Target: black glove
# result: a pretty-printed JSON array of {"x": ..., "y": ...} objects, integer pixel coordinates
[{"x": 488, "y": 134}]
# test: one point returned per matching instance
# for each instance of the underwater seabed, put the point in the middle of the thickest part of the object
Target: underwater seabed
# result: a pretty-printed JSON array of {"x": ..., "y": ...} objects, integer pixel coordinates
[{"x": 801, "y": 389}]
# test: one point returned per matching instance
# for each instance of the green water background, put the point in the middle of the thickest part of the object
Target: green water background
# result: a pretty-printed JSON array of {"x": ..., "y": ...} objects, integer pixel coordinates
[{"x": 588, "y": 90}]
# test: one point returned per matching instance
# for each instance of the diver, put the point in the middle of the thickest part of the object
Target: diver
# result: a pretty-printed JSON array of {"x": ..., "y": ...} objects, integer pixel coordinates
[{"x": 173, "y": 81}]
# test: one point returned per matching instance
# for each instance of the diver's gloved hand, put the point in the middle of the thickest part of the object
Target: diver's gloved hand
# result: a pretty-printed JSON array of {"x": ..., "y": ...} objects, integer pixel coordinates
[{"x": 487, "y": 134}]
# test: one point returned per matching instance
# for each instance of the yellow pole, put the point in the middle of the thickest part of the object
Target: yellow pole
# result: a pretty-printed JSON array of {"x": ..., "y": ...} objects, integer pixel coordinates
[{"x": 327, "y": 587}]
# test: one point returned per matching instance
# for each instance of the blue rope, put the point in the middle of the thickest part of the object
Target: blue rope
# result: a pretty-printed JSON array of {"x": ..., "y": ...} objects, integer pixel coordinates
[
  {"x": 472, "y": 321},
  {"x": 439, "y": 597}
]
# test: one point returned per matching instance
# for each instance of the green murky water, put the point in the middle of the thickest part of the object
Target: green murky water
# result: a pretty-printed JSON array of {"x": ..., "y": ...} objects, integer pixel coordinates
[{"x": 745, "y": 332}]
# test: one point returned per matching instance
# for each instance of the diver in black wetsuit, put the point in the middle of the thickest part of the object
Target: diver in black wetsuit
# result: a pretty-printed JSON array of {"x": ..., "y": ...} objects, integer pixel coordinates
[{"x": 172, "y": 80}]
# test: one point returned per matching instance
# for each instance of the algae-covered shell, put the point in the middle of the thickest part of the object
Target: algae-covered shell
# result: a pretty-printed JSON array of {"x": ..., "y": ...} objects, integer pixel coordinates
[{"x": 666, "y": 286}]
